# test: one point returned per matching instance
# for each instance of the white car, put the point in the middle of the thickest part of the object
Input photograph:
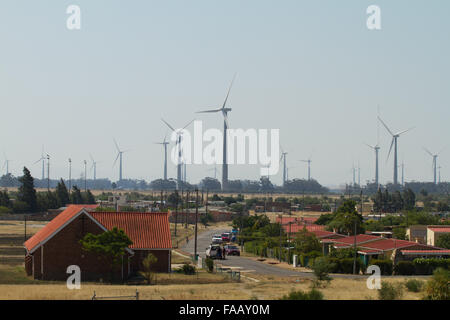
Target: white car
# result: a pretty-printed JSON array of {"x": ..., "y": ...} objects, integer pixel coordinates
[
  {"x": 212, "y": 251},
  {"x": 216, "y": 239}
]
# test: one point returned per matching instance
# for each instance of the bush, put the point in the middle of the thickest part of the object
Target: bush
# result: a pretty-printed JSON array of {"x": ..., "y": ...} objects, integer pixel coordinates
[
  {"x": 5, "y": 210},
  {"x": 405, "y": 268},
  {"x": 427, "y": 266},
  {"x": 438, "y": 286},
  {"x": 188, "y": 269},
  {"x": 385, "y": 266},
  {"x": 321, "y": 268},
  {"x": 389, "y": 291},
  {"x": 344, "y": 265},
  {"x": 313, "y": 294},
  {"x": 414, "y": 285},
  {"x": 209, "y": 264}
]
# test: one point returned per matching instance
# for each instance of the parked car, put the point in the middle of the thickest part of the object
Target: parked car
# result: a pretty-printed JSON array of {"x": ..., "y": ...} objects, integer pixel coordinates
[
  {"x": 213, "y": 252},
  {"x": 217, "y": 239},
  {"x": 226, "y": 237},
  {"x": 232, "y": 250}
]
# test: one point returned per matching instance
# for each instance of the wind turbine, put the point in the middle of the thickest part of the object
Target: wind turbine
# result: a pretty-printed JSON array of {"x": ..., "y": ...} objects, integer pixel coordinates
[
  {"x": 309, "y": 167},
  {"x": 224, "y": 111},
  {"x": 42, "y": 158},
  {"x": 94, "y": 166},
  {"x": 394, "y": 142},
  {"x": 164, "y": 143},
  {"x": 179, "y": 134},
  {"x": 434, "y": 165},
  {"x": 119, "y": 155},
  {"x": 376, "y": 148},
  {"x": 283, "y": 157},
  {"x": 6, "y": 164}
]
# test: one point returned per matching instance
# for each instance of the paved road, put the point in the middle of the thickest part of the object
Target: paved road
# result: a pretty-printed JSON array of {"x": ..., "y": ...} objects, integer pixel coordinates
[{"x": 245, "y": 264}]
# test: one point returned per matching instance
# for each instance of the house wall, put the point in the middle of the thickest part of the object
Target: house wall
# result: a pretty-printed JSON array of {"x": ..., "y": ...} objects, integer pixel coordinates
[
  {"x": 162, "y": 264},
  {"x": 51, "y": 260}
]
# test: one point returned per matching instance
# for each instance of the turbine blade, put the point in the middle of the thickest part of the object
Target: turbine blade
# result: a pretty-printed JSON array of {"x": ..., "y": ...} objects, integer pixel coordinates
[
  {"x": 427, "y": 151},
  {"x": 384, "y": 124},
  {"x": 225, "y": 118},
  {"x": 209, "y": 111},
  {"x": 390, "y": 149},
  {"x": 372, "y": 147},
  {"x": 170, "y": 127},
  {"x": 404, "y": 131},
  {"x": 188, "y": 124},
  {"x": 116, "y": 159},
  {"x": 117, "y": 146},
  {"x": 229, "y": 89}
]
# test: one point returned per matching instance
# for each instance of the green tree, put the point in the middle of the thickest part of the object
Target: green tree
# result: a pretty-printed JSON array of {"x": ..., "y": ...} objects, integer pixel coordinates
[
  {"x": 76, "y": 197},
  {"x": 345, "y": 219},
  {"x": 306, "y": 241},
  {"x": 110, "y": 246},
  {"x": 443, "y": 241},
  {"x": 62, "y": 195},
  {"x": 438, "y": 286},
  {"x": 88, "y": 197},
  {"x": 4, "y": 199},
  {"x": 27, "y": 193},
  {"x": 409, "y": 199}
]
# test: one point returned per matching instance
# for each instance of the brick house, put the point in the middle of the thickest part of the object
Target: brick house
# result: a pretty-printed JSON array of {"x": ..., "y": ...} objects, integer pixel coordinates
[{"x": 56, "y": 246}]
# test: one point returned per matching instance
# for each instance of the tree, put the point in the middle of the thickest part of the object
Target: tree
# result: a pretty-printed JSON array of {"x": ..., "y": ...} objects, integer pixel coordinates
[
  {"x": 210, "y": 184},
  {"x": 345, "y": 219},
  {"x": 321, "y": 268},
  {"x": 27, "y": 193},
  {"x": 88, "y": 197},
  {"x": 147, "y": 267},
  {"x": 409, "y": 199},
  {"x": 4, "y": 199},
  {"x": 306, "y": 241},
  {"x": 62, "y": 195},
  {"x": 76, "y": 197},
  {"x": 110, "y": 246},
  {"x": 443, "y": 241}
]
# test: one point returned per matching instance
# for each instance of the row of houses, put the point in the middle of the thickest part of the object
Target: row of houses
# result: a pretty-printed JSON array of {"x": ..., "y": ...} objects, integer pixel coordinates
[
  {"x": 369, "y": 246},
  {"x": 57, "y": 245}
]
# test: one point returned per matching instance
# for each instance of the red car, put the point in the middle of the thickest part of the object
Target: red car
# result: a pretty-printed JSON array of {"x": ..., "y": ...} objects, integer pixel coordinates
[
  {"x": 226, "y": 237},
  {"x": 232, "y": 250}
]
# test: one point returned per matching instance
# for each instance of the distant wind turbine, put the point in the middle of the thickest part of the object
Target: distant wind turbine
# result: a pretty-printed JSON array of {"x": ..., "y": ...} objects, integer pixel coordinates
[
  {"x": 434, "y": 165},
  {"x": 224, "y": 110},
  {"x": 119, "y": 155},
  {"x": 309, "y": 167},
  {"x": 6, "y": 164},
  {"x": 376, "y": 148},
  {"x": 283, "y": 157},
  {"x": 394, "y": 142},
  {"x": 42, "y": 158},
  {"x": 164, "y": 143}
]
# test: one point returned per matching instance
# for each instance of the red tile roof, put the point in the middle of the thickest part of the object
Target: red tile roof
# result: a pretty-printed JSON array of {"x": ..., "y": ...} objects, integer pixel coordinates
[
  {"x": 286, "y": 220},
  {"x": 444, "y": 251},
  {"x": 52, "y": 227},
  {"x": 360, "y": 239},
  {"x": 389, "y": 244},
  {"x": 440, "y": 229},
  {"x": 294, "y": 228},
  {"x": 147, "y": 230}
]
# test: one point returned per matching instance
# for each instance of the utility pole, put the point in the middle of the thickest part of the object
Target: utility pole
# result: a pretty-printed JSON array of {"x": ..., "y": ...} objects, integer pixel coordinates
[
  {"x": 281, "y": 230},
  {"x": 206, "y": 203},
  {"x": 85, "y": 176},
  {"x": 289, "y": 243},
  {"x": 176, "y": 211},
  {"x": 48, "y": 173},
  {"x": 187, "y": 209},
  {"x": 354, "y": 254},
  {"x": 196, "y": 216},
  {"x": 70, "y": 175}
]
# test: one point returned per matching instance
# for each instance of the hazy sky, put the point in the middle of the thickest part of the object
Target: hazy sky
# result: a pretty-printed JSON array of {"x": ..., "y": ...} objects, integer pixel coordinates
[{"x": 310, "y": 68}]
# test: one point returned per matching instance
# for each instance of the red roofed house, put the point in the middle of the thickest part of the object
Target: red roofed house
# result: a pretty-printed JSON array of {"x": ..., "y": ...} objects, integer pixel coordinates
[
  {"x": 434, "y": 232},
  {"x": 56, "y": 246}
]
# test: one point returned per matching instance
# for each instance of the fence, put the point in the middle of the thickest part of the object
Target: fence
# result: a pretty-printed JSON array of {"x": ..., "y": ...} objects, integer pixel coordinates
[{"x": 136, "y": 296}]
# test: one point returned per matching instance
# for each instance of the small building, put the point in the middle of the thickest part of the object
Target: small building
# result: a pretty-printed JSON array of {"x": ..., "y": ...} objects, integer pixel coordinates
[
  {"x": 434, "y": 232},
  {"x": 56, "y": 246},
  {"x": 417, "y": 233}
]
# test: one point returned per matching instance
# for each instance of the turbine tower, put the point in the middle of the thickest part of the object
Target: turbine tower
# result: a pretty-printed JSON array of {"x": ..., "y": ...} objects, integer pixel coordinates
[
  {"x": 6, "y": 164},
  {"x": 434, "y": 165},
  {"x": 179, "y": 135},
  {"x": 119, "y": 155},
  {"x": 94, "y": 166},
  {"x": 283, "y": 157},
  {"x": 164, "y": 143},
  {"x": 376, "y": 148},
  {"x": 309, "y": 167},
  {"x": 42, "y": 158},
  {"x": 394, "y": 142},
  {"x": 224, "y": 111}
]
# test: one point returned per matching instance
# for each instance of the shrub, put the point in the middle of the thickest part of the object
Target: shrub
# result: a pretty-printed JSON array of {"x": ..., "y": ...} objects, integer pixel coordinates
[
  {"x": 427, "y": 266},
  {"x": 414, "y": 285},
  {"x": 405, "y": 268},
  {"x": 438, "y": 286},
  {"x": 313, "y": 294},
  {"x": 321, "y": 268},
  {"x": 209, "y": 264},
  {"x": 147, "y": 265},
  {"x": 385, "y": 266},
  {"x": 188, "y": 269},
  {"x": 389, "y": 291},
  {"x": 5, "y": 210}
]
